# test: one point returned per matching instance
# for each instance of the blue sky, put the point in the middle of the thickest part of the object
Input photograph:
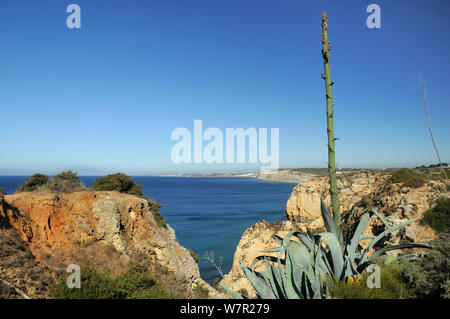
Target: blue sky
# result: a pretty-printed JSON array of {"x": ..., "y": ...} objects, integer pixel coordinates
[{"x": 106, "y": 97}]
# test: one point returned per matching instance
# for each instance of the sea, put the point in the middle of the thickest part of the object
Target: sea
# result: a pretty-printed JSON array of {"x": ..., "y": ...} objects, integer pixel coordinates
[{"x": 208, "y": 214}]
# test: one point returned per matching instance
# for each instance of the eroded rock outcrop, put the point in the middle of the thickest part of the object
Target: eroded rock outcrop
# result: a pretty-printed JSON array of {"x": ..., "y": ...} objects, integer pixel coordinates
[
  {"x": 256, "y": 238},
  {"x": 104, "y": 230},
  {"x": 304, "y": 203}
]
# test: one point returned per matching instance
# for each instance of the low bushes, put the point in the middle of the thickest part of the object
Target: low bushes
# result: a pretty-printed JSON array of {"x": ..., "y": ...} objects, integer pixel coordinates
[
  {"x": 429, "y": 277},
  {"x": 392, "y": 286},
  {"x": 438, "y": 217},
  {"x": 135, "y": 283},
  {"x": 33, "y": 182},
  {"x": 118, "y": 182},
  {"x": 409, "y": 177},
  {"x": 64, "y": 182}
]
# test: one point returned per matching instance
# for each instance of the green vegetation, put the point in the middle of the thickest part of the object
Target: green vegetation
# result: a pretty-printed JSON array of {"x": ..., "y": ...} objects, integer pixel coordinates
[
  {"x": 422, "y": 278},
  {"x": 125, "y": 184},
  {"x": 438, "y": 217},
  {"x": 2, "y": 191},
  {"x": 409, "y": 177},
  {"x": 334, "y": 192},
  {"x": 135, "y": 283},
  {"x": 429, "y": 277},
  {"x": 118, "y": 182},
  {"x": 432, "y": 166},
  {"x": 65, "y": 182},
  {"x": 308, "y": 266},
  {"x": 393, "y": 286},
  {"x": 33, "y": 183}
]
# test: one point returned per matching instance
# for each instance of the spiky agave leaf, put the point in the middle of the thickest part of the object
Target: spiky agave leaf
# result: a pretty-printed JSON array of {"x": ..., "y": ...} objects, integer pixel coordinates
[
  {"x": 363, "y": 258},
  {"x": 352, "y": 246},
  {"x": 232, "y": 293},
  {"x": 335, "y": 252},
  {"x": 381, "y": 251},
  {"x": 328, "y": 220},
  {"x": 258, "y": 282}
]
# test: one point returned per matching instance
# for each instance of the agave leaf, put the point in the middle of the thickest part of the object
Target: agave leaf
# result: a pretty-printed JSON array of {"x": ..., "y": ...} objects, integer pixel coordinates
[
  {"x": 337, "y": 257},
  {"x": 270, "y": 250},
  {"x": 381, "y": 217},
  {"x": 286, "y": 285},
  {"x": 232, "y": 293},
  {"x": 288, "y": 281},
  {"x": 270, "y": 258},
  {"x": 353, "y": 244},
  {"x": 316, "y": 283},
  {"x": 308, "y": 242},
  {"x": 380, "y": 236},
  {"x": 401, "y": 246},
  {"x": 272, "y": 281},
  {"x": 299, "y": 254},
  {"x": 262, "y": 288},
  {"x": 277, "y": 239},
  {"x": 327, "y": 218},
  {"x": 366, "y": 237},
  {"x": 296, "y": 276},
  {"x": 349, "y": 268}
]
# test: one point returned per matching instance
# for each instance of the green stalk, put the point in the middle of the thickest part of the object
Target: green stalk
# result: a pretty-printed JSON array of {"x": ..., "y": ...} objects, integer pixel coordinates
[{"x": 330, "y": 128}]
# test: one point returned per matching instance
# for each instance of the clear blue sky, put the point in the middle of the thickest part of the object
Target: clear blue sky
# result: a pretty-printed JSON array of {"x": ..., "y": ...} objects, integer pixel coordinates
[{"x": 106, "y": 97}]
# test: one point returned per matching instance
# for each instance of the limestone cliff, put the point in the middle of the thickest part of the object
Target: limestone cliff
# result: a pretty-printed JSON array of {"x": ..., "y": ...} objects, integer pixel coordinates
[
  {"x": 98, "y": 229},
  {"x": 358, "y": 193},
  {"x": 285, "y": 176}
]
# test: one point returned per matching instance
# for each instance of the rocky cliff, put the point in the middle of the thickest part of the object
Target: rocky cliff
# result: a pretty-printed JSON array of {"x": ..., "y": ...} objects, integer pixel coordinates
[
  {"x": 285, "y": 176},
  {"x": 104, "y": 230},
  {"x": 358, "y": 193}
]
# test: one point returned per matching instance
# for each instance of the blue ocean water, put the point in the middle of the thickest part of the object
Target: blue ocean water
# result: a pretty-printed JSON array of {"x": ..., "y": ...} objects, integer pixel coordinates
[{"x": 207, "y": 214}]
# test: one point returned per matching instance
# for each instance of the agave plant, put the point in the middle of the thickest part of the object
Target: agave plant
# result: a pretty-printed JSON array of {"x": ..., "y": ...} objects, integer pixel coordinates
[{"x": 301, "y": 267}]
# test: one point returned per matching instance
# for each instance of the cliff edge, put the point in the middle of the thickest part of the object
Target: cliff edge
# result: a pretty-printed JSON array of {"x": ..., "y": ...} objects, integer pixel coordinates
[{"x": 102, "y": 229}]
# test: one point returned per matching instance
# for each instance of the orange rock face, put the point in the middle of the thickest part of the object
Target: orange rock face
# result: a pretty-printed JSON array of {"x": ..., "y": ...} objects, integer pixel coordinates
[{"x": 103, "y": 230}]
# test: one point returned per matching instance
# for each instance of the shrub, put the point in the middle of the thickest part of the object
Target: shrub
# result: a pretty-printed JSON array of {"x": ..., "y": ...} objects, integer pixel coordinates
[
  {"x": 438, "y": 217},
  {"x": 118, "y": 182},
  {"x": 135, "y": 283},
  {"x": 33, "y": 182},
  {"x": 2, "y": 192},
  {"x": 65, "y": 182},
  {"x": 392, "y": 286},
  {"x": 159, "y": 219},
  {"x": 409, "y": 177},
  {"x": 429, "y": 277}
]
